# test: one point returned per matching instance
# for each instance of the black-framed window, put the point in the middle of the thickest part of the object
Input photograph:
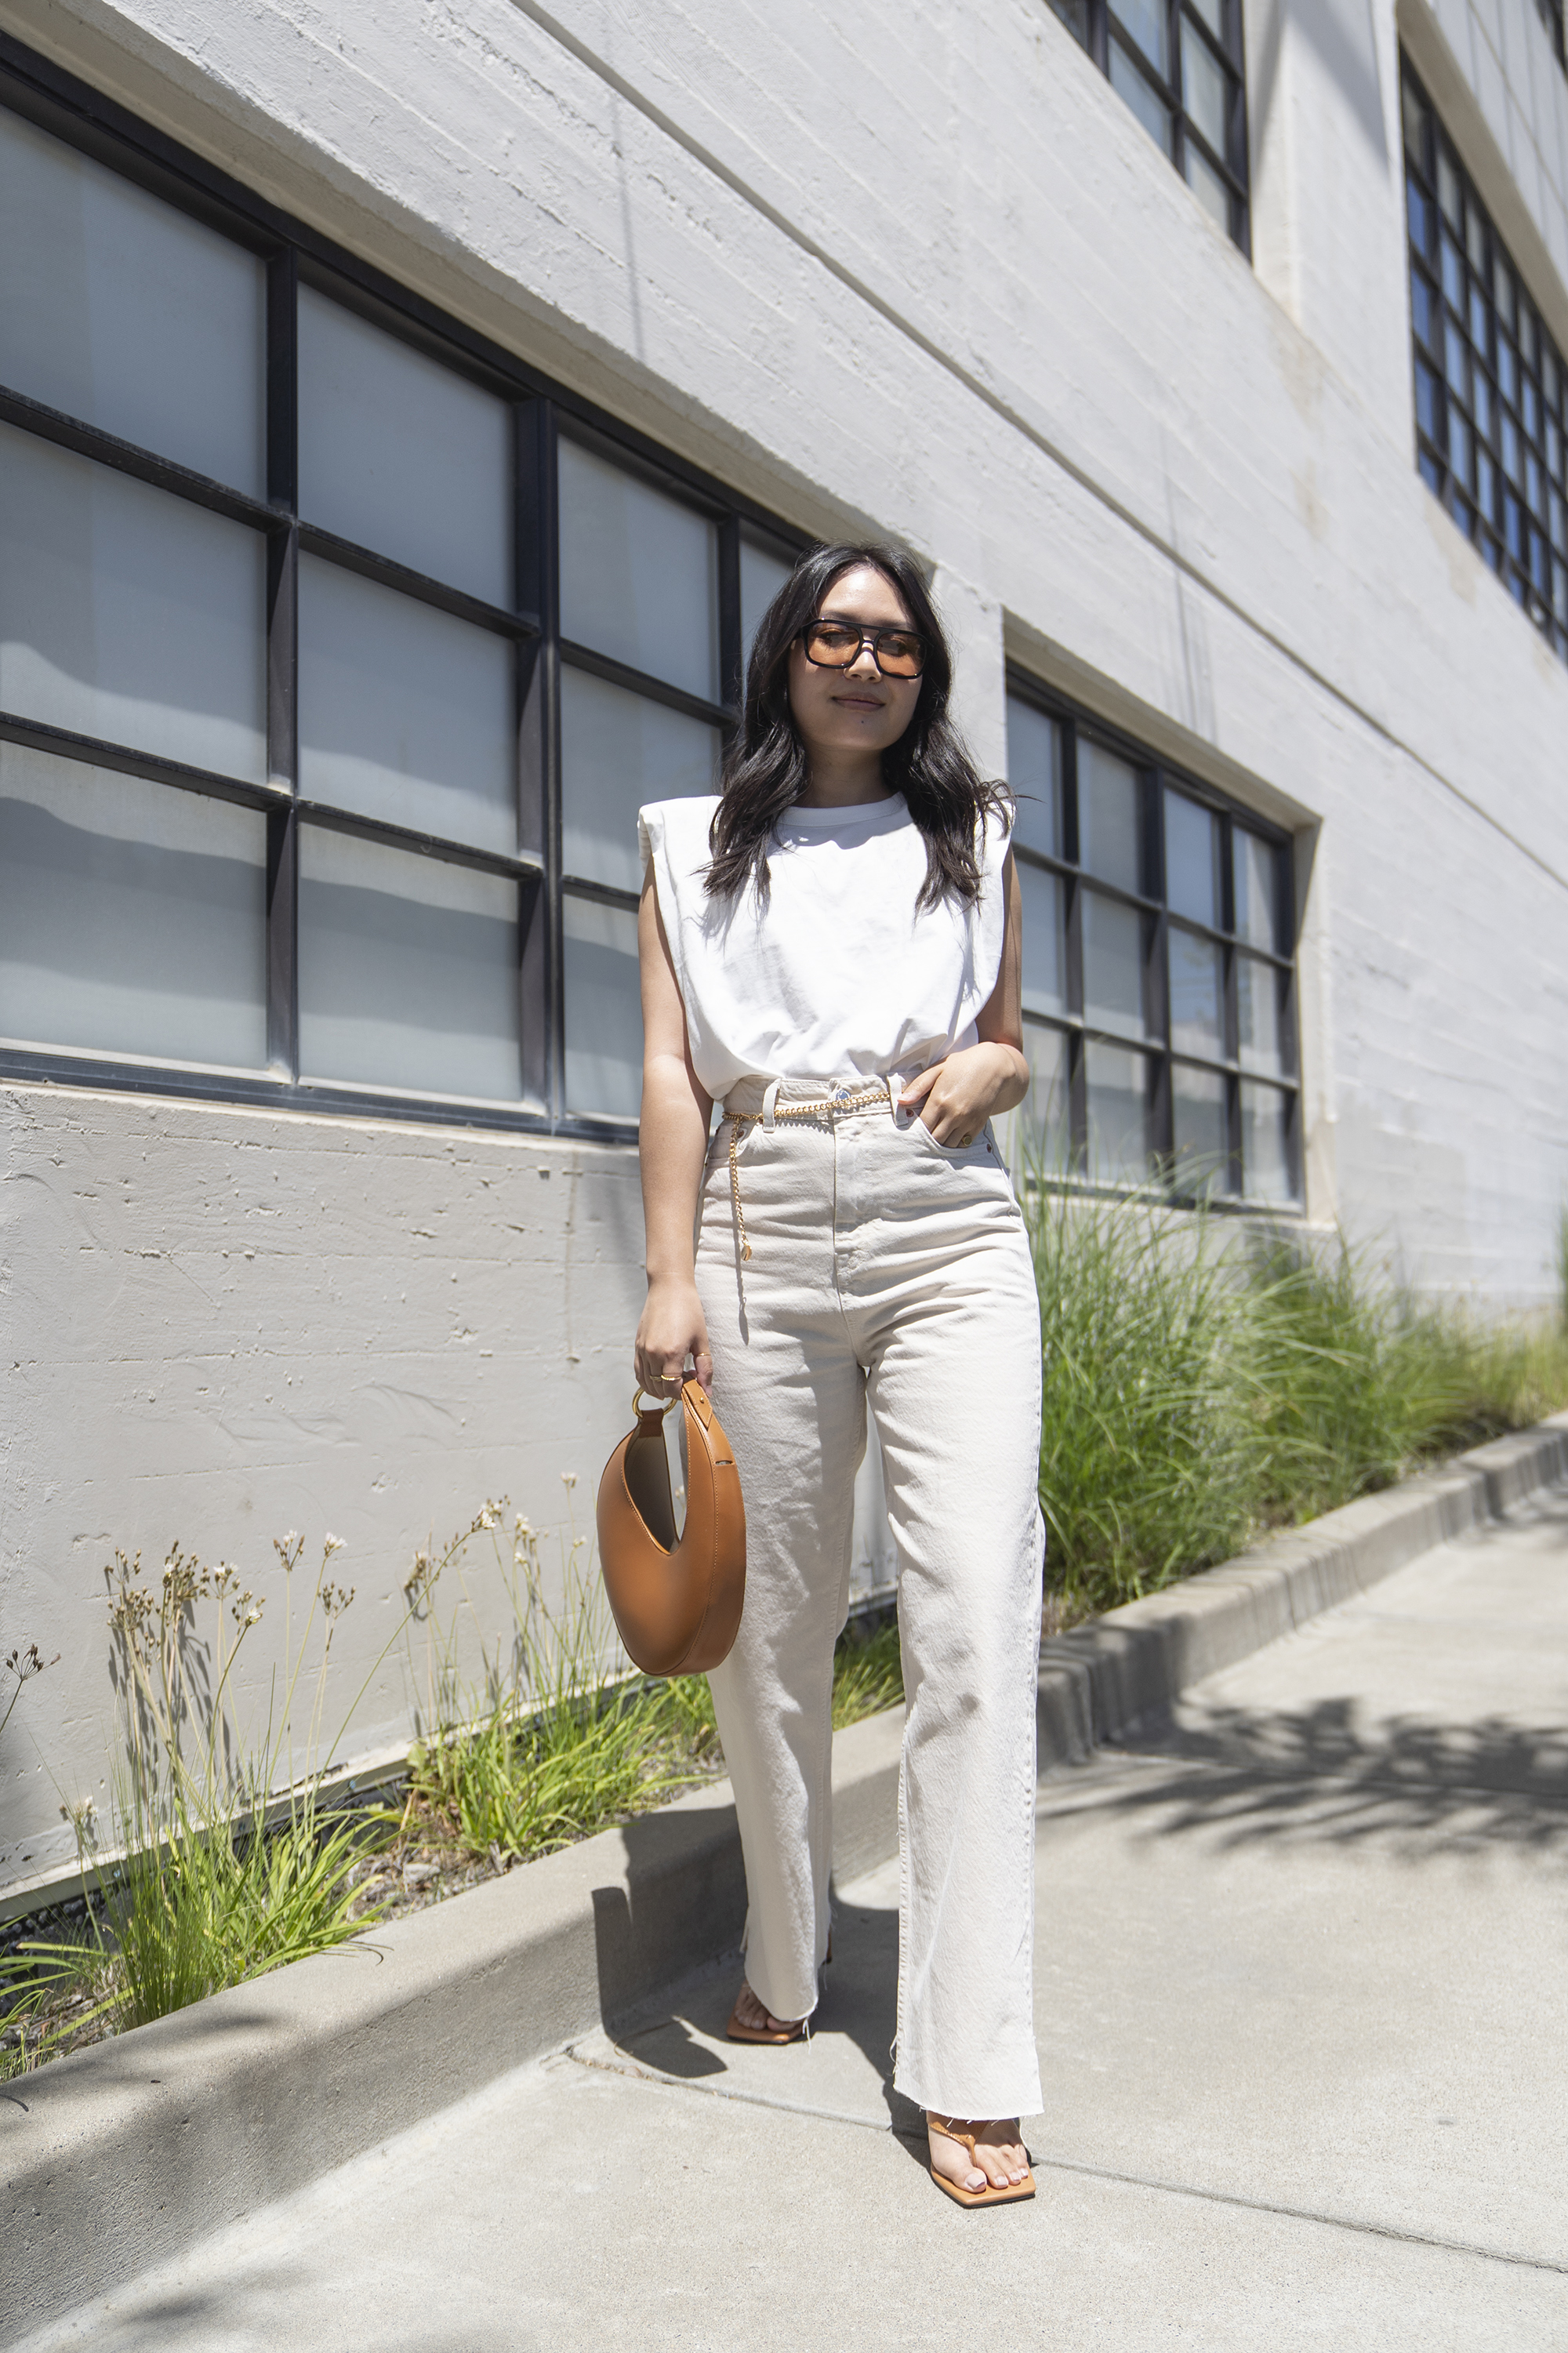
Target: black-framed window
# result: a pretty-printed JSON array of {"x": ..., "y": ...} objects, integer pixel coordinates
[
  {"x": 1179, "y": 64},
  {"x": 1491, "y": 391},
  {"x": 1159, "y": 980},
  {"x": 1552, "y": 18},
  {"x": 337, "y": 652}
]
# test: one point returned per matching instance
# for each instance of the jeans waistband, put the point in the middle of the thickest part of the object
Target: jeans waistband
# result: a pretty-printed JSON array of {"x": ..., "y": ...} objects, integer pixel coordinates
[{"x": 761, "y": 1098}]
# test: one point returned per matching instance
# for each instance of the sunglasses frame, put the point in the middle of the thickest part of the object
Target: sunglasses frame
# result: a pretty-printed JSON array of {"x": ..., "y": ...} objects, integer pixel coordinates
[{"x": 871, "y": 637}]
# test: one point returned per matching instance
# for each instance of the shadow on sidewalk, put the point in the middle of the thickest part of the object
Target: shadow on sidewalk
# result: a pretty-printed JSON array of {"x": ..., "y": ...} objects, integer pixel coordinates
[{"x": 1317, "y": 1774}]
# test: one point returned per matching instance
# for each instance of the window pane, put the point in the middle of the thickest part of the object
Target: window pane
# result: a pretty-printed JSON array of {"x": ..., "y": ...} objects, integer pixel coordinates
[
  {"x": 1209, "y": 189},
  {"x": 1257, "y": 891},
  {"x": 1203, "y": 91},
  {"x": 1197, "y": 999},
  {"x": 408, "y": 971},
  {"x": 1213, "y": 14},
  {"x": 1074, "y": 15},
  {"x": 763, "y": 574},
  {"x": 1265, "y": 1155},
  {"x": 120, "y": 310},
  {"x": 1112, "y": 965},
  {"x": 1130, "y": 84},
  {"x": 639, "y": 574},
  {"x": 1257, "y": 1015},
  {"x": 1118, "y": 1093},
  {"x": 127, "y": 614},
  {"x": 1108, "y": 810},
  {"x": 1146, "y": 21},
  {"x": 604, "y": 1011},
  {"x": 132, "y": 916},
  {"x": 617, "y": 751},
  {"x": 404, "y": 713},
  {"x": 1415, "y": 115},
  {"x": 1034, "y": 774},
  {"x": 1191, "y": 860},
  {"x": 1044, "y": 946},
  {"x": 1042, "y": 1135},
  {"x": 401, "y": 454},
  {"x": 1203, "y": 1151}
]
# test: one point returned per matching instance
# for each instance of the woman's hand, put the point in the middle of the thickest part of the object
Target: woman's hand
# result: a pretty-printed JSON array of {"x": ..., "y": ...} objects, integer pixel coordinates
[
  {"x": 956, "y": 1096},
  {"x": 672, "y": 1328}
]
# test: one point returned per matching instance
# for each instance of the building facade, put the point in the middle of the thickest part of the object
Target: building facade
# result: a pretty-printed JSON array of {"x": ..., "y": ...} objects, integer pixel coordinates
[{"x": 405, "y": 413}]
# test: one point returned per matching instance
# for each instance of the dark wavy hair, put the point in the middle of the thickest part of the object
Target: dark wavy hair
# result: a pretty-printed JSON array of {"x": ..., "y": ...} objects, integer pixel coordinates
[{"x": 766, "y": 771}]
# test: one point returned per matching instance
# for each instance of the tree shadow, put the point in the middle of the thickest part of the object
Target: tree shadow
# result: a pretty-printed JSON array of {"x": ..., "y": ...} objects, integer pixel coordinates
[{"x": 1323, "y": 1775}]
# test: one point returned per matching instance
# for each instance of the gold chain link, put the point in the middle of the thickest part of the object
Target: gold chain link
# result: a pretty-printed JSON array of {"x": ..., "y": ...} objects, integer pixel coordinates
[{"x": 817, "y": 1107}]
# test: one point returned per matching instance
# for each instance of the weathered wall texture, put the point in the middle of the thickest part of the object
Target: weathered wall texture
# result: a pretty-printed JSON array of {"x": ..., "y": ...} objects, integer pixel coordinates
[{"x": 1178, "y": 485}]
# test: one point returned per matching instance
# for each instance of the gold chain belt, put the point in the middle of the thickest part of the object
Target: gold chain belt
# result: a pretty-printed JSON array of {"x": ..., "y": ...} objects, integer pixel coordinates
[{"x": 815, "y": 1107}]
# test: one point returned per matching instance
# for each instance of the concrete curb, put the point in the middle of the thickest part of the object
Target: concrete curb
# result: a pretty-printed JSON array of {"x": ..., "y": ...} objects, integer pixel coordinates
[{"x": 117, "y": 2158}]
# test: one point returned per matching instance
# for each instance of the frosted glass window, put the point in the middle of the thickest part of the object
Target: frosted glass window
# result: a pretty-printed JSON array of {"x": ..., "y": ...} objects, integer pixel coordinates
[
  {"x": 1045, "y": 1131},
  {"x": 617, "y": 751},
  {"x": 639, "y": 574},
  {"x": 408, "y": 971},
  {"x": 1191, "y": 851},
  {"x": 1204, "y": 90},
  {"x": 1117, "y": 1096},
  {"x": 1148, "y": 22},
  {"x": 132, "y": 916},
  {"x": 1198, "y": 1018},
  {"x": 1045, "y": 942},
  {"x": 405, "y": 713},
  {"x": 1256, "y": 876},
  {"x": 1034, "y": 774},
  {"x": 127, "y": 614},
  {"x": 1257, "y": 1015},
  {"x": 1112, "y": 965},
  {"x": 1202, "y": 1150},
  {"x": 604, "y": 1009},
  {"x": 1108, "y": 812},
  {"x": 1264, "y": 1148},
  {"x": 401, "y": 454},
  {"x": 763, "y": 575},
  {"x": 123, "y": 312},
  {"x": 1209, "y": 188},
  {"x": 1129, "y": 84}
]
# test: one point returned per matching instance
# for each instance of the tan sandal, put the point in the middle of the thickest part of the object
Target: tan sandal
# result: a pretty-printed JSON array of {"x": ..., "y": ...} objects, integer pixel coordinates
[
  {"x": 991, "y": 2195},
  {"x": 738, "y": 2031}
]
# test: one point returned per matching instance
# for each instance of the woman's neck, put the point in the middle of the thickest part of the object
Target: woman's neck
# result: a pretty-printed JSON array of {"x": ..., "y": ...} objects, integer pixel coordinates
[{"x": 848, "y": 781}]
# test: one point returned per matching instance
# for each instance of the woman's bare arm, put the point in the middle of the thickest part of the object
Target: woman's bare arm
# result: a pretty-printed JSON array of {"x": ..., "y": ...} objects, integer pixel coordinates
[
  {"x": 676, "y": 1111},
  {"x": 957, "y": 1095}
]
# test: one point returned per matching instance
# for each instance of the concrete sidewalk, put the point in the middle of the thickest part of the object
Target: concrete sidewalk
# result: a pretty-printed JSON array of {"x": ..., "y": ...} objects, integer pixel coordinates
[{"x": 1300, "y": 1966}]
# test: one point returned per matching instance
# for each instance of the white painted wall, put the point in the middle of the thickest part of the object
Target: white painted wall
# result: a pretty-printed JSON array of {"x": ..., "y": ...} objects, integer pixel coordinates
[{"x": 1178, "y": 485}]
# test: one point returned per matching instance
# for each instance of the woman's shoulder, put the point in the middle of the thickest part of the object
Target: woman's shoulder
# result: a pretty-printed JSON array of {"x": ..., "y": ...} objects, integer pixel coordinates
[{"x": 677, "y": 829}]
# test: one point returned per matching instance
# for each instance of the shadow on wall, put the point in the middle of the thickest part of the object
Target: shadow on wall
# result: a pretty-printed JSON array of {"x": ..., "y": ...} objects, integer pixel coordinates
[{"x": 1343, "y": 34}]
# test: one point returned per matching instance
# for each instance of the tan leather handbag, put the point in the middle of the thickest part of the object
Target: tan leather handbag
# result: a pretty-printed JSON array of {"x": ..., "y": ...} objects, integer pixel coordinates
[{"x": 677, "y": 1604}]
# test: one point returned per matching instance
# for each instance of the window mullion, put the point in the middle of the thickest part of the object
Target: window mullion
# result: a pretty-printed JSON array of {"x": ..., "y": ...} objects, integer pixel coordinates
[
  {"x": 283, "y": 665},
  {"x": 551, "y": 955}
]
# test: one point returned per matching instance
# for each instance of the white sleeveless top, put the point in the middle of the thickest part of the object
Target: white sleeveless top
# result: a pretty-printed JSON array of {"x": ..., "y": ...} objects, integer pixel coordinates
[{"x": 834, "y": 975}]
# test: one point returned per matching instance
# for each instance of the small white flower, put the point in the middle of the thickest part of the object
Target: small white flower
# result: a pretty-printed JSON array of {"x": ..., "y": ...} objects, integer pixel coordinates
[{"x": 333, "y": 1543}]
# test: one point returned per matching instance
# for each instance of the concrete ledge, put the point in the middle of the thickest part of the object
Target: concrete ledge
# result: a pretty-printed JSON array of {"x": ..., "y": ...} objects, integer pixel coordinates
[
  {"x": 1103, "y": 1677},
  {"x": 117, "y": 2158}
]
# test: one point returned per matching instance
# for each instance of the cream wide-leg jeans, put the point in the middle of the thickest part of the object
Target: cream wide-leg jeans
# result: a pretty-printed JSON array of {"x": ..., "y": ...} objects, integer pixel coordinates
[{"x": 886, "y": 1269}]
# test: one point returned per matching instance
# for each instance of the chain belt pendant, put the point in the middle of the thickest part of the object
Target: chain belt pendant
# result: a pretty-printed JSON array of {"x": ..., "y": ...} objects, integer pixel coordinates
[{"x": 817, "y": 1107}]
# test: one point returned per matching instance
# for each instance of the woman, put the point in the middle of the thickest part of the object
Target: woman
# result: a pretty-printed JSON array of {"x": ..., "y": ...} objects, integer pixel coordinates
[{"x": 832, "y": 950}]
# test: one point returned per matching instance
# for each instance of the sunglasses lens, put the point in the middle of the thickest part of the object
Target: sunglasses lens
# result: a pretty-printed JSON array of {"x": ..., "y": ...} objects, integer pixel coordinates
[
  {"x": 899, "y": 653},
  {"x": 831, "y": 645}
]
